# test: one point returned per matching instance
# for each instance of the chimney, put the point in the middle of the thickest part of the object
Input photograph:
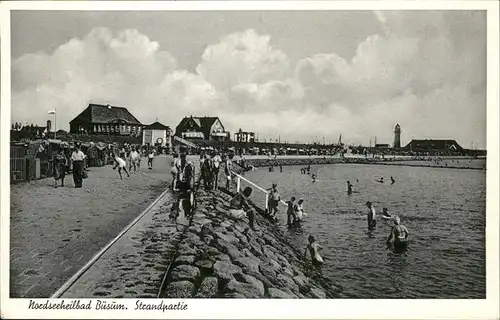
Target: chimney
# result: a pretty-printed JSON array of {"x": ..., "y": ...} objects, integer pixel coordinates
[{"x": 49, "y": 125}]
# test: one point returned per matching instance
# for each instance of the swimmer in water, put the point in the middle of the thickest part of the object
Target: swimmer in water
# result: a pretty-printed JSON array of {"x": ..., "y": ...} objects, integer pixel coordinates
[
  {"x": 387, "y": 217},
  {"x": 313, "y": 249},
  {"x": 392, "y": 180},
  {"x": 381, "y": 180},
  {"x": 399, "y": 233}
]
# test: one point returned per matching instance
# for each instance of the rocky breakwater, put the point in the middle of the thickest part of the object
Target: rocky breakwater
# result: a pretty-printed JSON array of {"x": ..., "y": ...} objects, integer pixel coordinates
[{"x": 220, "y": 257}]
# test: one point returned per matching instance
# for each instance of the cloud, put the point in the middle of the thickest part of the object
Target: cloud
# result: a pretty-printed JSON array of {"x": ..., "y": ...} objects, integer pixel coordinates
[
  {"x": 421, "y": 72},
  {"x": 242, "y": 57},
  {"x": 424, "y": 70}
]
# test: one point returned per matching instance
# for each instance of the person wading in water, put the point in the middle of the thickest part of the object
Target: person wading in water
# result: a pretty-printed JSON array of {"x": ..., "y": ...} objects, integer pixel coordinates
[
  {"x": 290, "y": 212},
  {"x": 313, "y": 249},
  {"x": 274, "y": 201},
  {"x": 400, "y": 235},
  {"x": 372, "y": 220}
]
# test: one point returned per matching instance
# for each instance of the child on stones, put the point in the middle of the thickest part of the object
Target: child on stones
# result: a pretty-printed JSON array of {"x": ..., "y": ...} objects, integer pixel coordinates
[{"x": 313, "y": 249}]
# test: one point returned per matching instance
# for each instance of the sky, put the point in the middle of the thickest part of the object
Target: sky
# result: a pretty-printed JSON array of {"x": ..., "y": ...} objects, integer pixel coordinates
[{"x": 297, "y": 76}]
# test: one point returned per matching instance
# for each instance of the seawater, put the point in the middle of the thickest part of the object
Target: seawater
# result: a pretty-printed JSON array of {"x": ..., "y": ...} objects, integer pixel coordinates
[{"x": 443, "y": 209}]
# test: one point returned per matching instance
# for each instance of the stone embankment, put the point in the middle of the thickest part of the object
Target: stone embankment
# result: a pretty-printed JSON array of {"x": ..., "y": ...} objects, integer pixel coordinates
[{"x": 220, "y": 257}]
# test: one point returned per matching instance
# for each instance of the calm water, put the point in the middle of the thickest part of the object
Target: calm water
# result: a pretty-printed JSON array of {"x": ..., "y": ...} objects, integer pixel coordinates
[{"x": 443, "y": 209}]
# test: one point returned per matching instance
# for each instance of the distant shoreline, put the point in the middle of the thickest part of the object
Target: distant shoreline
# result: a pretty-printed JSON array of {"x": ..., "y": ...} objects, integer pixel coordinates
[{"x": 267, "y": 162}]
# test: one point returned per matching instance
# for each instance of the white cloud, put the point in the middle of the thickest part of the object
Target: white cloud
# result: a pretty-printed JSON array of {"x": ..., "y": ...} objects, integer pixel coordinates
[
  {"x": 425, "y": 70},
  {"x": 242, "y": 57}
]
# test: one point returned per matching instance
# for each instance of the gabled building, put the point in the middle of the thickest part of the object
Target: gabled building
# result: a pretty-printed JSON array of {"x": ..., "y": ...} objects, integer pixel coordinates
[
  {"x": 202, "y": 128},
  {"x": 106, "y": 119},
  {"x": 433, "y": 144},
  {"x": 157, "y": 134}
]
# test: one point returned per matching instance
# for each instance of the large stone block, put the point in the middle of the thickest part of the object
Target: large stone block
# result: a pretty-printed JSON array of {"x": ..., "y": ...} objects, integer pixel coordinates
[
  {"x": 278, "y": 294},
  {"x": 184, "y": 272},
  {"x": 224, "y": 270},
  {"x": 208, "y": 288},
  {"x": 180, "y": 289},
  {"x": 245, "y": 289}
]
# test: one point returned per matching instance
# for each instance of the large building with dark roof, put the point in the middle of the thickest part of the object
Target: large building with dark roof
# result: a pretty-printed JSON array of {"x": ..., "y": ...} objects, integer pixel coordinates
[
  {"x": 106, "y": 119},
  {"x": 201, "y": 128},
  {"x": 433, "y": 145}
]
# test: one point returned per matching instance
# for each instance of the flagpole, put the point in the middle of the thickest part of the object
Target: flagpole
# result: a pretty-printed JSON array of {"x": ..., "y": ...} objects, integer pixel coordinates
[{"x": 55, "y": 124}]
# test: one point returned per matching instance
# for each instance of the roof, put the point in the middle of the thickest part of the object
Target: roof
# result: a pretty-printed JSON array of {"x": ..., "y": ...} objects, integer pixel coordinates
[
  {"x": 96, "y": 113},
  {"x": 204, "y": 124},
  {"x": 157, "y": 126},
  {"x": 437, "y": 144}
]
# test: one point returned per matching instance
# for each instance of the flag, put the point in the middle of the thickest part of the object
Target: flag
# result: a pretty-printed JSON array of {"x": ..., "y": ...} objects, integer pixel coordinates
[{"x": 52, "y": 112}]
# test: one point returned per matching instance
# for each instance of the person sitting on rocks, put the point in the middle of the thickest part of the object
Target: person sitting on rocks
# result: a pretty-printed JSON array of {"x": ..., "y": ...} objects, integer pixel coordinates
[
  {"x": 313, "y": 247},
  {"x": 240, "y": 207}
]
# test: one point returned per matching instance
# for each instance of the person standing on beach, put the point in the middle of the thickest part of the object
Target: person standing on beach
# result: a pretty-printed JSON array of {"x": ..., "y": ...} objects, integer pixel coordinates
[
  {"x": 313, "y": 249},
  {"x": 173, "y": 170},
  {"x": 184, "y": 186},
  {"x": 281, "y": 168},
  {"x": 371, "y": 215},
  {"x": 134, "y": 159},
  {"x": 392, "y": 180},
  {"x": 290, "y": 212},
  {"x": 60, "y": 163},
  {"x": 206, "y": 172},
  {"x": 77, "y": 158},
  {"x": 227, "y": 170},
  {"x": 216, "y": 160},
  {"x": 151, "y": 155}
]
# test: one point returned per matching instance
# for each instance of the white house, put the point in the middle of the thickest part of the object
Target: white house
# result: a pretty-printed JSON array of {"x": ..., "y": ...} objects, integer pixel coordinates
[{"x": 157, "y": 134}]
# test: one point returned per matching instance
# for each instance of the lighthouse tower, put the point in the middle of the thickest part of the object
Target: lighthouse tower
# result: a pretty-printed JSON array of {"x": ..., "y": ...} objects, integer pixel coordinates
[{"x": 397, "y": 137}]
